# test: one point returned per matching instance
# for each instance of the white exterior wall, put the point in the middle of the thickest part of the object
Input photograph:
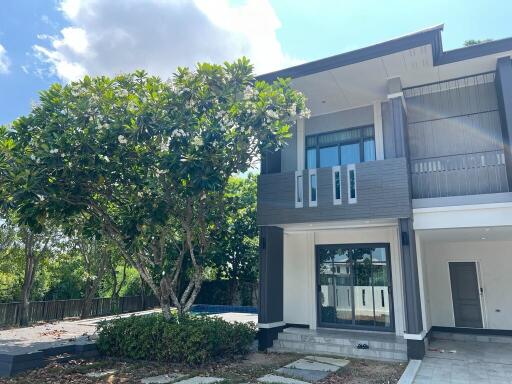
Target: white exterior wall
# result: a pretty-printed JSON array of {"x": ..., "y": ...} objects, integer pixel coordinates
[
  {"x": 299, "y": 280},
  {"x": 494, "y": 266}
]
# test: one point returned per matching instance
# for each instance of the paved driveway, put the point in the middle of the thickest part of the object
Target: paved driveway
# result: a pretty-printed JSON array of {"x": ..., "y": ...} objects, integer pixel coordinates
[
  {"x": 457, "y": 362},
  {"x": 59, "y": 333}
]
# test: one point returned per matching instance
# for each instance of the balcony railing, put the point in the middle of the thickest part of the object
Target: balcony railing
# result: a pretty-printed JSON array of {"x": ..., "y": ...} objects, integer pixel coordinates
[
  {"x": 458, "y": 175},
  {"x": 375, "y": 189}
]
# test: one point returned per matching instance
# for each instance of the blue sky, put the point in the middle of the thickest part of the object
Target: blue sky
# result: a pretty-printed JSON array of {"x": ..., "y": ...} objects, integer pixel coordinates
[{"x": 44, "y": 41}]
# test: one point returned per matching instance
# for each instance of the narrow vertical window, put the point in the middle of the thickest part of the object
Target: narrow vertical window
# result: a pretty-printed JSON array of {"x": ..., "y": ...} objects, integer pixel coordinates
[
  {"x": 364, "y": 298},
  {"x": 313, "y": 188},
  {"x": 352, "y": 183},
  {"x": 299, "y": 190},
  {"x": 336, "y": 185},
  {"x": 382, "y": 298}
]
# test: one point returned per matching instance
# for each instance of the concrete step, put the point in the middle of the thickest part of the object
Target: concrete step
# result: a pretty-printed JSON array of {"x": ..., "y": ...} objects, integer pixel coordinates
[
  {"x": 286, "y": 346},
  {"x": 471, "y": 337},
  {"x": 344, "y": 341}
]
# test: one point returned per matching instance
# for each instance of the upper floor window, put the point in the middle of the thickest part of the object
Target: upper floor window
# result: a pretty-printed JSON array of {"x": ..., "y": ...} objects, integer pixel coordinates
[{"x": 347, "y": 146}]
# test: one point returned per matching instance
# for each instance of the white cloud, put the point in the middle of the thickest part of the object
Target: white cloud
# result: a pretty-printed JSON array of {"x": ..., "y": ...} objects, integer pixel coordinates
[
  {"x": 4, "y": 61},
  {"x": 74, "y": 39},
  {"x": 109, "y": 37}
]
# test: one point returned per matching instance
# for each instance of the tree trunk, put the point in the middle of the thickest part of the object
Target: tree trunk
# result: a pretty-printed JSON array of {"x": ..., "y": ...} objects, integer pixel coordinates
[
  {"x": 90, "y": 293},
  {"x": 197, "y": 283},
  {"x": 25, "y": 306},
  {"x": 142, "y": 294},
  {"x": 28, "y": 279},
  {"x": 117, "y": 286},
  {"x": 86, "y": 305},
  {"x": 235, "y": 292},
  {"x": 115, "y": 295},
  {"x": 166, "y": 310}
]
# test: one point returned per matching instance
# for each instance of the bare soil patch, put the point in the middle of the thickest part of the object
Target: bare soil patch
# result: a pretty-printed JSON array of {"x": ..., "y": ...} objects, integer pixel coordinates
[
  {"x": 241, "y": 370},
  {"x": 367, "y": 372}
]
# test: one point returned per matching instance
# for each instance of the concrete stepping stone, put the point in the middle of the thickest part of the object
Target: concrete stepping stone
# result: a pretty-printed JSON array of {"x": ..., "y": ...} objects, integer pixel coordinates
[
  {"x": 280, "y": 380},
  {"x": 329, "y": 360},
  {"x": 162, "y": 379},
  {"x": 201, "y": 380},
  {"x": 303, "y": 374},
  {"x": 311, "y": 365},
  {"x": 99, "y": 374}
]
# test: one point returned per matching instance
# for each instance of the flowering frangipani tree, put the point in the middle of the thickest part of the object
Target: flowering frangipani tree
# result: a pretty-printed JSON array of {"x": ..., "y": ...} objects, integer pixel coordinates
[{"x": 147, "y": 160}]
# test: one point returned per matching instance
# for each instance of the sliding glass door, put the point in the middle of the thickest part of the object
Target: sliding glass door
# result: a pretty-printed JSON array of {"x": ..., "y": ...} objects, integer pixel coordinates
[{"x": 354, "y": 286}]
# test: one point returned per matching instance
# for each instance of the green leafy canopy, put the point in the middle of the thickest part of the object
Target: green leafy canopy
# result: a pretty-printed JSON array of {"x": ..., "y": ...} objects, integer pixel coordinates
[
  {"x": 145, "y": 161},
  {"x": 135, "y": 145}
]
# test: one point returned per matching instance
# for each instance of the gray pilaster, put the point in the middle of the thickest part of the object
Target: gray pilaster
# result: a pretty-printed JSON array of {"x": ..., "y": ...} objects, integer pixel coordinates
[
  {"x": 394, "y": 126},
  {"x": 270, "y": 311},
  {"x": 411, "y": 286},
  {"x": 413, "y": 319},
  {"x": 504, "y": 93},
  {"x": 394, "y": 85}
]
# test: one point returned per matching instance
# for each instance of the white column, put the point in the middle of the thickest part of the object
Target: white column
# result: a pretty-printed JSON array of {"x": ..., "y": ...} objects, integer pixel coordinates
[
  {"x": 421, "y": 279},
  {"x": 300, "y": 145},
  {"x": 379, "y": 136}
]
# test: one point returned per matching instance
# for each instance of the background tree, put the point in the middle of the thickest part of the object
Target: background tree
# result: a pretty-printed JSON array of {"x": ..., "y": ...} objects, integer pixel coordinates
[
  {"x": 95, "y": 254},
  {"x": 471, "y": 42},
  {"x": 32, "y": 248},
  {"x": 235, "y": 238},
  {"x": 149, "y": 160},
  {"x": 11, "y": 262}
]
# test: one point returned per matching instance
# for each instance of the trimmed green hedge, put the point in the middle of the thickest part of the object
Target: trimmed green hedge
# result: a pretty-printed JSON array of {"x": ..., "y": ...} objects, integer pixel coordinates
[{"x": 190, "y": 339}]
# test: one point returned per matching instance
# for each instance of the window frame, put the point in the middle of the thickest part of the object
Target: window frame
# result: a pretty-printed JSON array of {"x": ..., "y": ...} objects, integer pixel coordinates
[
  {"x": 311, "y": 173},
  {"x": 351, "y": 169},
  {"x": 299, "y": 189},
  {"x": 317, "y": 146},
  {"x": 336, "y": 170}
]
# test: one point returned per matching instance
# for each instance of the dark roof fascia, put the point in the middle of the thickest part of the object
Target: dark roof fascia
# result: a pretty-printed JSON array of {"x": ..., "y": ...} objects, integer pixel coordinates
[
  {"x": 473, "y": 51},
  {"x": 431, "y": 36}
]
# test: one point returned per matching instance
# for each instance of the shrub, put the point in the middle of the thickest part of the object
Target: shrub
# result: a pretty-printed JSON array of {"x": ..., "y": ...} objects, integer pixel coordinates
[{"x": 188, "y": 339}]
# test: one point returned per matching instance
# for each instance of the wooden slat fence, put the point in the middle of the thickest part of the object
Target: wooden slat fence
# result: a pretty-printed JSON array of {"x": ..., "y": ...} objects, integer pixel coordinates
[{"x": 61, "y": 309}]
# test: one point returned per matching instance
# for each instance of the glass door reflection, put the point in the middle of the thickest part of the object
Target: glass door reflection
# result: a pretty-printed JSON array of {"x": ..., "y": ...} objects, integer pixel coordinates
[
  {"x": 363, "y": 289},
  {"x": 342, "y": 272},
  {"x": 354, "y": 286}
]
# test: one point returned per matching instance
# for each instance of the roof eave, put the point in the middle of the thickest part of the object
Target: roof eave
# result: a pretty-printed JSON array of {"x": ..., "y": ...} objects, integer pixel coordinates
[
  {"x": 474, "y": 51},
  {"x": 430, "y": 36}
]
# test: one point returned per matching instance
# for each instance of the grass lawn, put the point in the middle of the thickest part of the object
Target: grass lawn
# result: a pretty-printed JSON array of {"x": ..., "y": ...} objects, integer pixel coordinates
[{"x": 243, "y": 370}]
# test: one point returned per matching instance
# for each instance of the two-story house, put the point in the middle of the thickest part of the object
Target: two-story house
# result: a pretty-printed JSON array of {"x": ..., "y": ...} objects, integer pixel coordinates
[{"x": 388, "y": 214}]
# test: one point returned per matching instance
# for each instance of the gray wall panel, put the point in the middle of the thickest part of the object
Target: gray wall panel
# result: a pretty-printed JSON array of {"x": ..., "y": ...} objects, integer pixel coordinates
[
  {"x": 382, "y": 192},
  {"x": 459, "y": 100},
  {"x": 394, "y": 122},
  {"x": 463, "y": 119},
  {"x": 457, "y": 135},
  {"x": 340, "y": 120},
  {"x": 388, "y": 130},
  {"x": 455, "y": 138}
]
